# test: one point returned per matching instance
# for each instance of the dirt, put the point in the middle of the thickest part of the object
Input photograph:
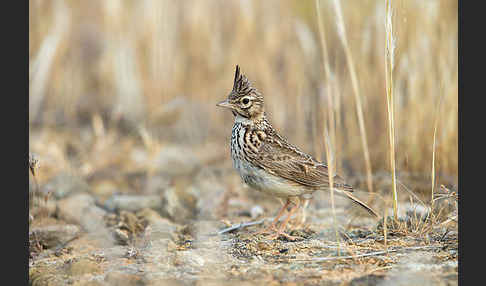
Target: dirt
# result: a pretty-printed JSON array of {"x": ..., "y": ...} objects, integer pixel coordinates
[
  {"x": 147, "y": 250},
  {"x": 173, "y": 228}
]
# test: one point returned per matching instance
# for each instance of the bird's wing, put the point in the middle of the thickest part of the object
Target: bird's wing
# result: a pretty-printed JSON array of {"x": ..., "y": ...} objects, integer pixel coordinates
[{"x": 278, "y": 157}]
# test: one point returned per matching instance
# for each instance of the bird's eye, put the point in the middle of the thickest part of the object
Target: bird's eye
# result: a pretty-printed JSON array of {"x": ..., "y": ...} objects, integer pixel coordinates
[{"x": 245, "y": 101}]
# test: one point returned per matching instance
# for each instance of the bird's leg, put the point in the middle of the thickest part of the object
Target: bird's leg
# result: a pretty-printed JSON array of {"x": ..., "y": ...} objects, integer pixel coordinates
[
  {"x": 281, "y": 229},
  {"x": 273, "y": 225}
]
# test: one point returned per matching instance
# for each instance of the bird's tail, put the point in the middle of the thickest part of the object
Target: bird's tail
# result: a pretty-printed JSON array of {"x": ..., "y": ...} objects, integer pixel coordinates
[{"x": 356, "y": 201}]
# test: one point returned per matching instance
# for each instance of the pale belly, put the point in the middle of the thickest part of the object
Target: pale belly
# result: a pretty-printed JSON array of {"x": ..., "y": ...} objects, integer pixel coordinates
[{"x": 260, "y": 180}]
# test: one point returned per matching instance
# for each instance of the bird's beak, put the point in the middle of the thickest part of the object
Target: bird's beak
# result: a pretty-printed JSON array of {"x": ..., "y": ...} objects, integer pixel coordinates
[{"x": 225, "y": 103}]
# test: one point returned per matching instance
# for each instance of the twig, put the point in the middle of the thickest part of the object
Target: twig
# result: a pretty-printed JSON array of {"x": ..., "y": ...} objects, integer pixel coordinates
[
  {"x": 241, "y": 225},
  {"x": 245, "y": 224},
  {"x": 411, "y": 193},
  {"x": 321, "y": 259}
]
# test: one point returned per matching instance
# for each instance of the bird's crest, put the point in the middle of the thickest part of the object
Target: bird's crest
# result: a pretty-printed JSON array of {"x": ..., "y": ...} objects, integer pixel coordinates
[{"x": 242, "y": 85}]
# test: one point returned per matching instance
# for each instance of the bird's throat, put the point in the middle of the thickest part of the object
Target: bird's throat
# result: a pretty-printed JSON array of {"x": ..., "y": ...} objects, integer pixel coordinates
[{"x": 243, "y": 120}]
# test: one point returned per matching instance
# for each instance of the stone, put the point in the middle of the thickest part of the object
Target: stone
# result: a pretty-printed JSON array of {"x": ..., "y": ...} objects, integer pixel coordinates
[
  {"x": 174, "y": 160},
  {"x": 256, "y": 211},
  {"x": 132, "y": 203},
  {"x": 65, "y": 184},
  {"x": 53, "y": 235},
  {"x": 158, "y": 227},
  {"x": 83, "y": 266},
  {"x": 81, "y": 209},
  {"x": 178, "y": 204},
  {"x": 122, "y": 279}
]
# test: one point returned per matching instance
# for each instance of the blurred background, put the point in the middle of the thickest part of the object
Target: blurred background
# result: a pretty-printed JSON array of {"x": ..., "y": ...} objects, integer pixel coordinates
[{"x": 122, "y": 94}]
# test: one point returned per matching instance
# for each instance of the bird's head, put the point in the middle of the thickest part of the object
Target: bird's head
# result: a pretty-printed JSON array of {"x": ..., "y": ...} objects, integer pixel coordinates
[{"x": 244, "y": 100}]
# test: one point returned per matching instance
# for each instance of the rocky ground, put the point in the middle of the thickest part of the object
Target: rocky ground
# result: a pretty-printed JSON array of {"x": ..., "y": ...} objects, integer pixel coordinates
[{"x": 185, "y": 219}]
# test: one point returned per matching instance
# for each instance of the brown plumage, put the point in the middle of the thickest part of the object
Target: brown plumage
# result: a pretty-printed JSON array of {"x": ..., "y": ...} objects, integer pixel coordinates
[{"x": 268, "y": 162}]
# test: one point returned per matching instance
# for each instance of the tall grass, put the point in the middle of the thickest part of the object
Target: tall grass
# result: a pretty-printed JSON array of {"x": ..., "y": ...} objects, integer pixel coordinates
[
  {"x": 162, "y": 65},
  {"x": 389, "y": 64},
  {"x": 328, "y": 139},
  {"x": 434, "y": 142},
  {"x": 330, "y": 173},
  {"x": 356, "y": 91},
  {"x": 328, "y": 77}
]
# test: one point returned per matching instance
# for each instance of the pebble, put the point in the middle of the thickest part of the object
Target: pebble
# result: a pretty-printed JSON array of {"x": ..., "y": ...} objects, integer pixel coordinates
[
  {"x": 65, "y": 184},
  {"x": 83, "y": 266},
  {"x": 54, "y": 235},
  {"x": 189, "y": 258},
  {"x": 209, "y": 195},
  {"x": 81, "y": 209},
  {"x": 256, "y": 211},
  {"x": 132, "y": 203},
  {"x": 159, "y": 227},
  {"x": 122, "y": 279},
  {"x": 178, "y": 204},
  {"x": 174, "y": 160}
]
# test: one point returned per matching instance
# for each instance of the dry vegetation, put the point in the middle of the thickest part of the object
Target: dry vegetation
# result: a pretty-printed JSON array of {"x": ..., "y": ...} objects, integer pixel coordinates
[{"x": 122, "y": 106}]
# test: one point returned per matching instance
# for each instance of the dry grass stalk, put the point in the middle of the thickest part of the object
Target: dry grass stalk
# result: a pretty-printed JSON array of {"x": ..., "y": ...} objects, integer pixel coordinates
[
  {"x": 33, "y": 165},
  {"x": 330, "y": 167},
  {"x": 356, "y": 92},
  {"x": 385, "y": 228},
  {"x": 432, "y": 200},
  {"x": 375, "y": 253},
  {"x": 328, "y": 79},
  {"x": 433, "y": 167},
  {"x": 389, "y": 64},
  {"x": 433, "y": 153},
  {"x": 44, "y": 61},
  {"x": 330, "y": 141},
  {"x": 445, "y": 193}
]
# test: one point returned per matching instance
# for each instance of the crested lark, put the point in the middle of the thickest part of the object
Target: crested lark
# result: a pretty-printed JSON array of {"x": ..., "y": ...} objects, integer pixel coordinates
[{"x": 267, "y": 162}]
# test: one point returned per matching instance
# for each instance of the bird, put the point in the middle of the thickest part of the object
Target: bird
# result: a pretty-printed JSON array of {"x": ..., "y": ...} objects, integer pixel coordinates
[{"x": 268, "y": 163}]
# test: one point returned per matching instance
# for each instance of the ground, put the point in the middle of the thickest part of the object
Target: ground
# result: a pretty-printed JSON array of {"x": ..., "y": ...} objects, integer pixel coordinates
[{"x": 193, "y": 222}]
